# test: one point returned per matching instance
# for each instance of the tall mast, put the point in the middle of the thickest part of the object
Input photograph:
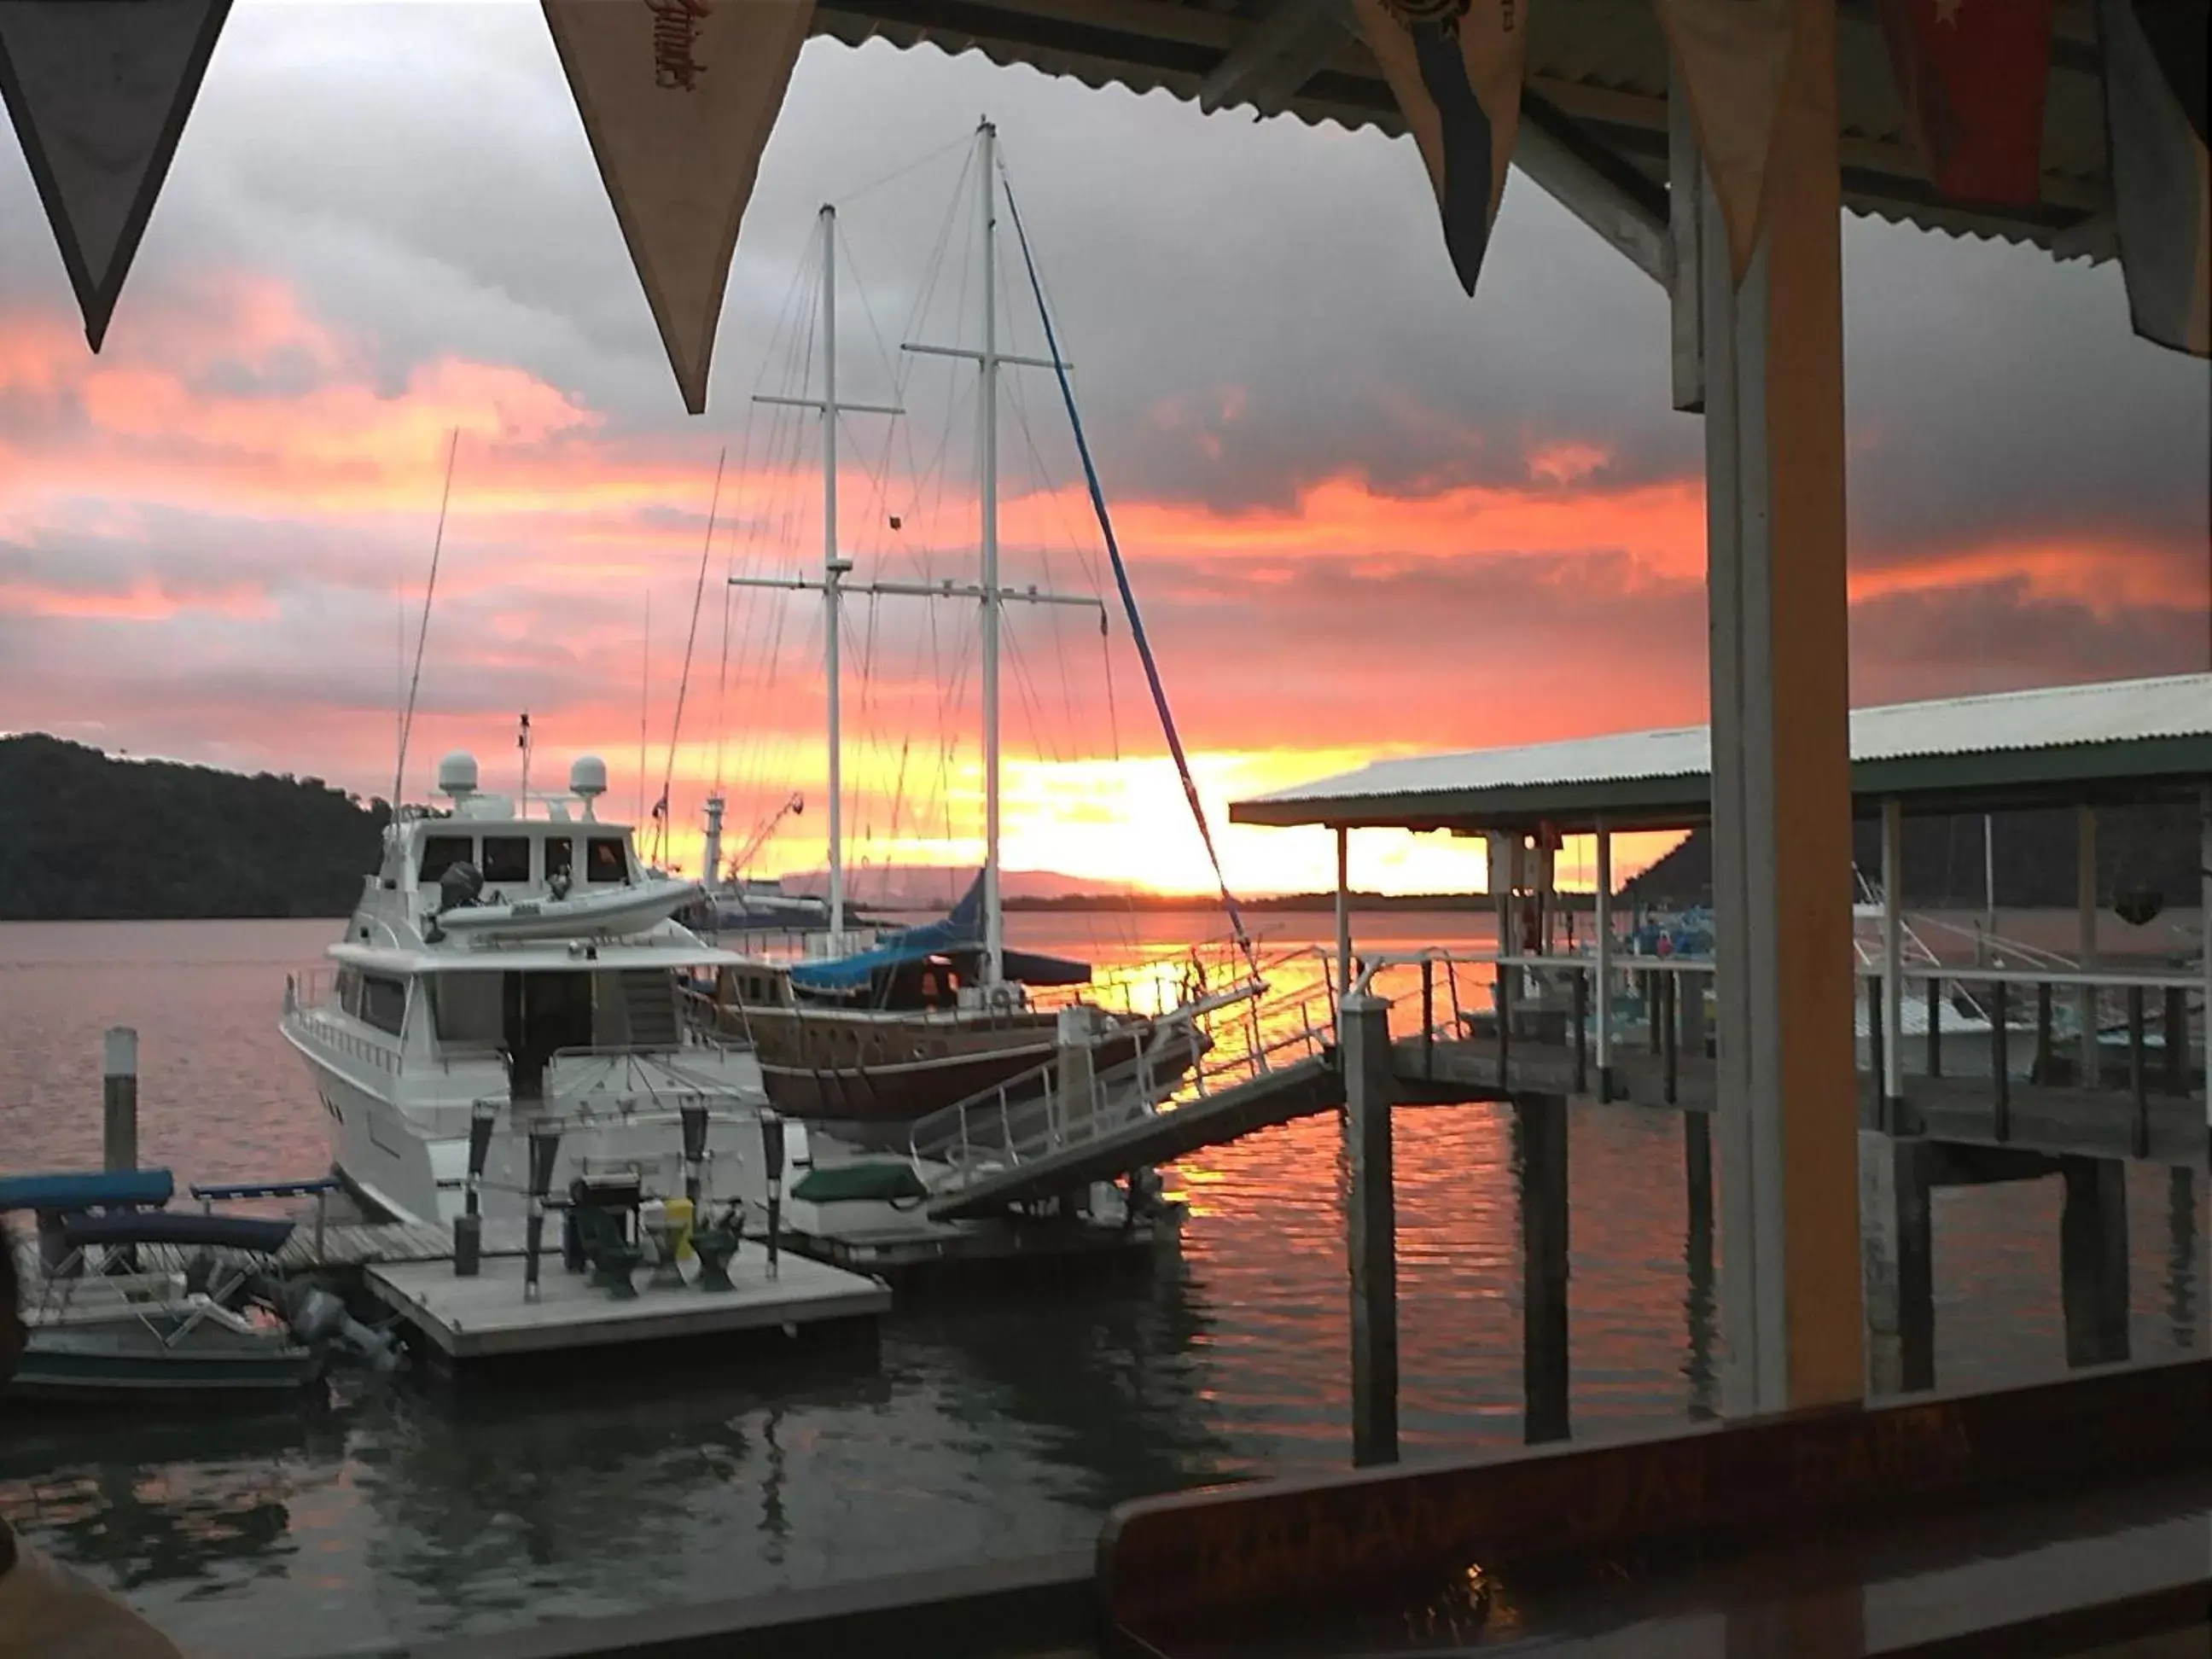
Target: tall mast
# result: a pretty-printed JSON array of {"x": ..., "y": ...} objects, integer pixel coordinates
[
  {"x": 833, "y": 569},
  {"x": 995, "y": 921}
]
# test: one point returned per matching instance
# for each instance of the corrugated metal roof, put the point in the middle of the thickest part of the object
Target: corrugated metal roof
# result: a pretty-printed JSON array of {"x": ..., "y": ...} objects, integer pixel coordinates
[
  {"x": 2018, "y": 744},
  {"x": 1602, "y": 63}
]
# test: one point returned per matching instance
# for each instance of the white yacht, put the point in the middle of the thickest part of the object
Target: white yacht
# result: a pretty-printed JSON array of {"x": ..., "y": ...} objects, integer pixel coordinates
[{"x": 527, "y": 970}]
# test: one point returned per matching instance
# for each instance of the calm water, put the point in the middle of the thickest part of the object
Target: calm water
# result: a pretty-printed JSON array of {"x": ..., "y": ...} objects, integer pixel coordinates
[{"x": 996, "y": 1428}]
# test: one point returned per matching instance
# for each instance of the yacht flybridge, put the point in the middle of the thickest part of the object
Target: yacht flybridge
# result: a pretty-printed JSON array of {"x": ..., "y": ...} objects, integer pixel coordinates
[{"x": 527, "y": 971}]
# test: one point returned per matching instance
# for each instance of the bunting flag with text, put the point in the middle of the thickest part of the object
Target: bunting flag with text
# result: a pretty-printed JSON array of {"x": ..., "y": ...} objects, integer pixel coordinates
[
  {"x": 1455, "y": 67},
  {"x": 1730, "y": 58},
  {"x": 2154, "y": 114},
  {"x": 678, "y": 97},
  {"x": 1973, "y": 74},
  {"x": 99, "y": 94}
]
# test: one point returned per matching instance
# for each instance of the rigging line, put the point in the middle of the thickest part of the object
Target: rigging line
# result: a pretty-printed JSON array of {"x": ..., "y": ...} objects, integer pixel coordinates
[
  {"x": 690, "y": 638},
  {"x": 423, "y": 635},
  {"x": 911, "y": 166},
  {"x": 1129, "y": 594},
  {"x": 1113, "y": 717}
]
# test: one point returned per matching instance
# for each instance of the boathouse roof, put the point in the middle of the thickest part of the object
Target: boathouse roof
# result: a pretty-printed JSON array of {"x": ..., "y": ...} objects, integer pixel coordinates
[
  {"x": 2134, "y": 740},
  {"x": 1595, "y": 100}
]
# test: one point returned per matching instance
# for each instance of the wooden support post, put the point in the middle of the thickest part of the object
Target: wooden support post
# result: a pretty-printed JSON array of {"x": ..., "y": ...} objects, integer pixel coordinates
[
  {"x": 1669, "y": 986},
  {"x": 1540, "y": 1133},
  {"x": 2204, "y": 912},
  {"x": 1935, "y": 1025},
  {"x": 2089, "y": 1066},
  {"x": 2092, "y": 1260},
  {"x": 1690, "y": 1012},
  {"x": 1898, "y": 1263},
  {"x": 1781, "y": 763},
  {"x": 2045, "y": 1052},
  {"x": 1653, "y": 1011},
  {"x": 1876, "y": 1063},
  {"x": 2138, "y": 1073},
  {"x": 1891, "y": 1070},
  {"x": 1580, "y": 1014},
  {"x": 1428, "y": 1018},
  {"x": 1505, "y": 1029},
  {"x": 1371, "y": 1229},
  {"x": 118, "y": 1097},
  {"x": 1604, "y": 961},
  {"x": 1343, "y": 918},
  {"x": 2001, "y": 1059},
  {"x": 2175, "y": 1028}
]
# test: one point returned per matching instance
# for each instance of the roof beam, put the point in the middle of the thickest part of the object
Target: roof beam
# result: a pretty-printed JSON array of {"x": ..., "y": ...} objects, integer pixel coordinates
[
  {"x": 1278, "y": 55},
  {"x": 1614, "y": 200}
]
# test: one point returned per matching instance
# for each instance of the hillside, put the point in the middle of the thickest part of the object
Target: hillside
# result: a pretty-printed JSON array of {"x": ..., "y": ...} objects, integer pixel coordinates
[
  {"x": 2153, "y": 846},
  {"x": 84, "y": 836}
]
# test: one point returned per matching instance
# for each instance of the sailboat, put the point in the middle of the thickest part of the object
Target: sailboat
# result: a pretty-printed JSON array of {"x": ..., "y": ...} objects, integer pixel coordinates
[{"x": 886, "y": 1030}]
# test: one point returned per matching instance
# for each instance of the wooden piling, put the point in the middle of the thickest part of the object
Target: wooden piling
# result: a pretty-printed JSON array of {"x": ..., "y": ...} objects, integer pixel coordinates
[
  {"x": 2092, "y": 1260},
  {"x": 118, "y": 1097},
  {"x": 1371, "y": 1230},
  {"x": 1700, "y": 1306},
  {"x": 1540, "y": 1126}
]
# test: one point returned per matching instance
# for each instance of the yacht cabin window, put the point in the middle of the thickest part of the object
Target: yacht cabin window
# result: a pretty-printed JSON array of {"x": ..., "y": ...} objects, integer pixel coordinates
[
  {"x": 466, "y": 1009},
  {"x": 384, "y": 1002},
  {"x": 560, "y": 857},
  {"x": 506, "y": 858},
  {"x": 347, "y": 990},
  {"x": 441, "y": 852},
  {"x": 606, "y": 860}
]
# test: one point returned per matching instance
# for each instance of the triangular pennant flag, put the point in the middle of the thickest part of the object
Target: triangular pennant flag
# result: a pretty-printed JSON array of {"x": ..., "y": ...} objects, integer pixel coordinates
[
  {"x": 1455, "y": 67},
  {"x": 1973, "y": 74},
  {"x": 2154, "y": 97},
  {"x": 2176, "y": 30},
  {"x": 99, "y": 95},
  {"x": 1732, "y": 57},
  {"x": 677, "y": 98}
]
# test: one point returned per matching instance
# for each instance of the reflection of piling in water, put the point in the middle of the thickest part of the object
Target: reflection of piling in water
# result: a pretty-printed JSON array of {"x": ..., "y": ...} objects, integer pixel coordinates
[
  {"x": 1697, "y": 1250},
  {"x": 1371, "y": 1241},
  {"x": 1540, "y": 1124},
  {"x": 2092, "y": 1260},
  {"x": 1898, "y": 1254},
  {"x": 2181, "y": 1285}
]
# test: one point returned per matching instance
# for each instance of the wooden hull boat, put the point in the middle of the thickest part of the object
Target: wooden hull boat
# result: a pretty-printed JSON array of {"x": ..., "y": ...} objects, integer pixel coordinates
[{"x": 873, "y": 1068}]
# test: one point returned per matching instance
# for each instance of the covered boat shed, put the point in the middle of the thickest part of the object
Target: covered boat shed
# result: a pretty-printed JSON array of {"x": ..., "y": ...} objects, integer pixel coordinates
[
  {"x": 2119, "y": 742},
  {"x": 2114, "y": 743}
]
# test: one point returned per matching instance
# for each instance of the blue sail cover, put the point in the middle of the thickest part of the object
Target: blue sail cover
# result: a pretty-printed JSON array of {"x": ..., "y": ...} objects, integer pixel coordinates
[{"x": 958, "y": 934}]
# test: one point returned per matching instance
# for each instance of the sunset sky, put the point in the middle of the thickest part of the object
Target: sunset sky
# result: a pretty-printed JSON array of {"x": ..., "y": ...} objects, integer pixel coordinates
[{"x": 1365, "y": 514}]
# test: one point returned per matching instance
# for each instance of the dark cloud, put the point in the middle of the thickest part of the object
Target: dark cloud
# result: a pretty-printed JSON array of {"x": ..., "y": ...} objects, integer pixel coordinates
[{"x": 1252, "y": 307}]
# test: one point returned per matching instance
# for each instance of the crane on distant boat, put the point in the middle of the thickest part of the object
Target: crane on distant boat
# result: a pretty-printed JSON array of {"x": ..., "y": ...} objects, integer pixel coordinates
[{"x": 742, "y": 859}]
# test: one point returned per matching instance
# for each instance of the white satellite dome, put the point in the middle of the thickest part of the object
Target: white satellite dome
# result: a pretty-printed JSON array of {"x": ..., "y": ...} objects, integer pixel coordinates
[
  {"x": 457, "y": 774},
  {"x": 587, "y": 778}
]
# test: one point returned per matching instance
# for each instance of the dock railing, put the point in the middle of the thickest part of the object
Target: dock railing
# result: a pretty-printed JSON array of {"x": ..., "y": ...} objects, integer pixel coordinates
[
  {"x": 1198, "y": 1051},
  {"x": 2023, "y": 1023}
]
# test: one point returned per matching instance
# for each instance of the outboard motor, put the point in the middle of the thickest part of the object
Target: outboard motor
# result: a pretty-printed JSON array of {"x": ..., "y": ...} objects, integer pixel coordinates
[
  {"x": 459, "y": 887},
  {"x": 318, "y": 1320}
]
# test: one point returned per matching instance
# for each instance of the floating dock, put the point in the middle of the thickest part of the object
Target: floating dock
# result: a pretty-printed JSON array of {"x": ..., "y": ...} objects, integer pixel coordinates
[{"x": 485, "y": 1317}]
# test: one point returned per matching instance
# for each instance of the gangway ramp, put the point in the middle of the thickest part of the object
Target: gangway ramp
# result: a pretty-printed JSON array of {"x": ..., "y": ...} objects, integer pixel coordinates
[
  {"x": 1239, "y": 1064},
  {"x": 1299, "y": 1089}
]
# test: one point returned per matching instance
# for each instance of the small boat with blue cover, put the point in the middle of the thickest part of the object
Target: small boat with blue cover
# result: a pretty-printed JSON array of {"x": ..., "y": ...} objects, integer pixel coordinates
[{"x": 103, "y": 1331}]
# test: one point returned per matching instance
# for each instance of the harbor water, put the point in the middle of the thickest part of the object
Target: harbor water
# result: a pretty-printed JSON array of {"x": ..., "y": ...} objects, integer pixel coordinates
[{"x": 986, "y": 1425}]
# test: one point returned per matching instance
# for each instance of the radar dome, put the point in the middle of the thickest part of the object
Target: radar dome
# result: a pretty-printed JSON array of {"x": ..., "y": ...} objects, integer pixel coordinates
[
  {"x": 587, "y": 777},
  {"x": 457, "y": 774}
]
